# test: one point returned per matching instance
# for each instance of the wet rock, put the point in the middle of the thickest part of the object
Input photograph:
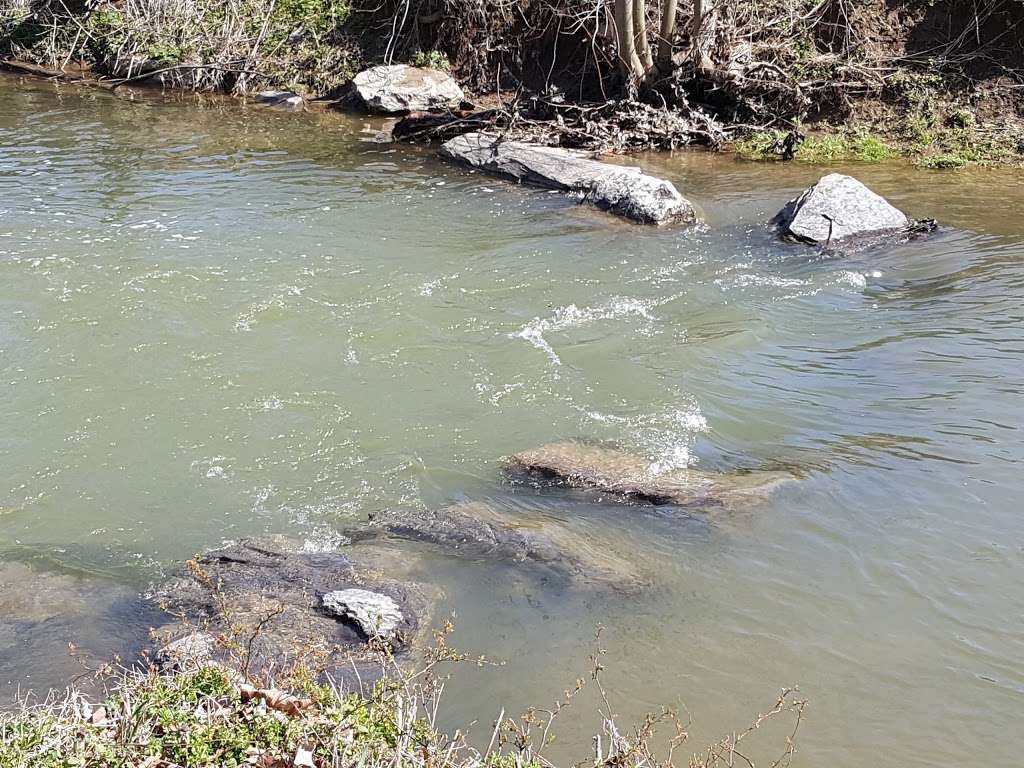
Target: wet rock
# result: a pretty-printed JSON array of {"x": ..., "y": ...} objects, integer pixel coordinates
[
  {"x": 377, "y": 615},
  {"x": 622, "y": 190},
  {"x": 400, "y": 88},
  {"x": 277, "y": 593},
  {"x": 630, "y": 477},
  {"x": 835, "y": 208},
  {"x": 280, "y": 99},
  {"x": 194, "y": 650},
  {"x": 479, "y": 531}
]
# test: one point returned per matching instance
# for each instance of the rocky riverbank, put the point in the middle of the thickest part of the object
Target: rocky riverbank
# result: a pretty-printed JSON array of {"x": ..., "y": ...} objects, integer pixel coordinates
[{"x": 272, "y": 655}]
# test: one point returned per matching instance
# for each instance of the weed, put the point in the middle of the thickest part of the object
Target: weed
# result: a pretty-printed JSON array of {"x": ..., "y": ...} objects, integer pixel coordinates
[
  {"x": 432, "y": 60},
  {"x": 871, "y": 149},
  {"x": 947, "y": 160},
  {"x": 211, "y": 716},
  {"x": 826, "y": 148}
]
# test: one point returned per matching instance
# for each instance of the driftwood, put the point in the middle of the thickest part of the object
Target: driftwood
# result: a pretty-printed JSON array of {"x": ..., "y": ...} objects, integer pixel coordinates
[
  {"x": 435, "y": 126},
  {"x": 611, "y": 126},
  {"x": 79, "y": 75}
]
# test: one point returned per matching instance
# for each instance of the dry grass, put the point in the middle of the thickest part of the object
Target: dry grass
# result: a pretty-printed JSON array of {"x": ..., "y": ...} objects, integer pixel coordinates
[
  {"x": 225, "y": 45},
  {"x": 207, "y": 715}
]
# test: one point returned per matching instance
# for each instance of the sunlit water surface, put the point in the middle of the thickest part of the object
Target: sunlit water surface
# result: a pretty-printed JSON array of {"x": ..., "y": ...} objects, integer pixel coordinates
[{"x": 218, "y": 321}]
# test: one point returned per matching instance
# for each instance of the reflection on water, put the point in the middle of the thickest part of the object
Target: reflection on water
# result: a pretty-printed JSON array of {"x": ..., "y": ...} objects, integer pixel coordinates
[{"x": 221, "y": 321}]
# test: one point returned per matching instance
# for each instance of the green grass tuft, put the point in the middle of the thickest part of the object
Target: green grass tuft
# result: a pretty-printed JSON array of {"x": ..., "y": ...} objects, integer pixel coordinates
[{"x": 817, "y": 149}]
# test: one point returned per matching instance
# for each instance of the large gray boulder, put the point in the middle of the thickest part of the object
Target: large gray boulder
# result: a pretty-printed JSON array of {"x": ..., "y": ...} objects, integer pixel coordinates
[
  {"x": 630, "y": 477},
  {"x": 836, "y": 208},
  {"x": 400, "y": 88},
  {"x": 622, "y": 190}
]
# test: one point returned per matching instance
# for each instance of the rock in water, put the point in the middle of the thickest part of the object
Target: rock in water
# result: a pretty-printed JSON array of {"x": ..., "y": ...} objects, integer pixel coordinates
[
  {"x": 268, "y": 591},
  {"x": 622, "y": 190},
  {"x": 193, "y": 651},
  {"x": 280, "y": 99},
  {"x": 375, "y": 614},
  {"x": 835, "y": 208},
  {"x": 479, "y": 531},
  {"x": 623, "y": 474},
  {"x": 401, "y": 88}
]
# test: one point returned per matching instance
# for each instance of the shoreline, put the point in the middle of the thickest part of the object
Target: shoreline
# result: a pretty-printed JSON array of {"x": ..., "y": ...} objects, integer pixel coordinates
[{"x": 820, "y": 145}]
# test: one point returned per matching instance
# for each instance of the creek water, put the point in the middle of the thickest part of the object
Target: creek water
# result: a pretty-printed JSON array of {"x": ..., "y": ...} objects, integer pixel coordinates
[{"x": 219, "y": 321}]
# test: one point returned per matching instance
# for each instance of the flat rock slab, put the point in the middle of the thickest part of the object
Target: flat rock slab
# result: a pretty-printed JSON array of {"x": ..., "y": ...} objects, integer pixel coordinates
[
  {"x": 263, "y": 584},
  {"x": 400, "y": 88},
  {"x": 625, "y": 475},
  {"x": 838, "y": 207},
  {"x": 621, "y": 190},
  {"x": 479, "y": 531}
]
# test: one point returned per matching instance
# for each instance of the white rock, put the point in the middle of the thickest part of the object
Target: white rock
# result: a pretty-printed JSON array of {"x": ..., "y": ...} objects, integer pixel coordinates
[
  {"x": 838, "y": 207},
  {"x": 377, "y": 615},
  {"x": 401, "y": 88},
  {"x": 622, "y": 190}
]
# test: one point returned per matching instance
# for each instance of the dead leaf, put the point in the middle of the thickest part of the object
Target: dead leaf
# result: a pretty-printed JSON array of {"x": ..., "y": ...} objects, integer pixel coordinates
[
  {"x": 281, "y": 701},
  {"x": 303, "y": 758}
]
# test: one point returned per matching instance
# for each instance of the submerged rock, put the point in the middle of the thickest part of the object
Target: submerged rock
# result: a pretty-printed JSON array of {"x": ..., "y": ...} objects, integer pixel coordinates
[
  {"x": 45, "y": 606},
  {"x": 835, "y": 208},
  {"x": 280, "y": 99},
  {"x": 479, "y": 531},
  {"x": 375, "y": 614},
  {"x": 626, "y": 475},
  {"x": 621, "y": 190},
  {"x": 400, "y": 88},
  {"x": 253, "y": 584}
]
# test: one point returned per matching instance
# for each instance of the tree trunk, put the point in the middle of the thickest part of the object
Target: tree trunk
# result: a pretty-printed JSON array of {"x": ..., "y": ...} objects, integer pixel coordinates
[
  {"x": 640, "y": 35},
  {"x": 632, "y": 67},
  {"x": 667, "y": 32},
  {"x": 702, "y": 35}
]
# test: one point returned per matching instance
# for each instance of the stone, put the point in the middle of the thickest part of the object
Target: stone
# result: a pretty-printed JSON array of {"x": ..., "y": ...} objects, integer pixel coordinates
[
  {"x": 622, "y": 190},
  {"x": 280, "y": 99},
  {"x": 630, "y": 477},
  {"x": 400, "y": 88},
  {"x": 479, "y": 531},
  {"x": 835, "y": 208},
  {"x": 376, "y": 615},
  {"x": 273, "y": 585},
  {"x": 190, "y": 652}
]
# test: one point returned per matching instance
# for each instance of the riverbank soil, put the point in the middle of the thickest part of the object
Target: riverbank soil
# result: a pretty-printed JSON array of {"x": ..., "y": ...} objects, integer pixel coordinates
[{"x": 937, "y": 80}]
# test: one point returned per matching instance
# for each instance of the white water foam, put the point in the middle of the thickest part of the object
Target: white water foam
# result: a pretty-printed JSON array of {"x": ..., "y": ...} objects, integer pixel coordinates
[
  {"x": 666, "y": 437},
  {"x": 571, "y": 316}
]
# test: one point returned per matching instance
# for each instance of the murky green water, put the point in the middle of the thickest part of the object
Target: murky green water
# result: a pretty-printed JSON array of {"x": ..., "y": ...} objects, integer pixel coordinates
[{"x": 220, "y": 321}]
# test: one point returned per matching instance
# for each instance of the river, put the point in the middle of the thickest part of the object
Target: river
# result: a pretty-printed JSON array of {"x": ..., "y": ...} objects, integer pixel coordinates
[{"x": 219, "y": 321}]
